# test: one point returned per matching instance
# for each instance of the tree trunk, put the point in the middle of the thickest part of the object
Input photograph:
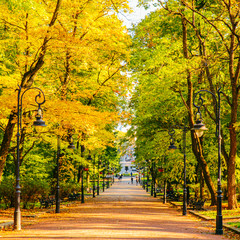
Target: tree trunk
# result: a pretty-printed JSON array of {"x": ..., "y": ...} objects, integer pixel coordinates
[
  {"x": 231, "y": 166},
  {"x": 6, "y": 142},
  {"x": 26, "y": 82},
  {"x": 201, "y": 178},
  {"x": 196, "y": 145}
]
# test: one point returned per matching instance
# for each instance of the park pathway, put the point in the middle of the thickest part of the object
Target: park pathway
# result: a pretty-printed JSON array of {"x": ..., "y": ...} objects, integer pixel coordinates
[{"x": 125, "y": 211}]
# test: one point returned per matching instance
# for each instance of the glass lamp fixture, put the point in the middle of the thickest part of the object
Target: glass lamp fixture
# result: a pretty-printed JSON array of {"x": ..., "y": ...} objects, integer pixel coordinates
[
  {"x": 71, "y": 145},
  {"x": 172, "y": 146},
  {"x": 199, "y": 127},
  {"x": 39, "y": 122}
]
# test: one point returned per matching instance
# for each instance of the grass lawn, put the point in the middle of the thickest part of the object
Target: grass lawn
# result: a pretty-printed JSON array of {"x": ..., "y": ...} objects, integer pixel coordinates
[
  {"x": 234, "y": 224},
  {"x": 225, "y": 213}
]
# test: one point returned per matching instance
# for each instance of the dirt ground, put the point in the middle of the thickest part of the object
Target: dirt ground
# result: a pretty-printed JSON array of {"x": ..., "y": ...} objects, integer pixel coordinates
[{"x": 125, "y": 211}]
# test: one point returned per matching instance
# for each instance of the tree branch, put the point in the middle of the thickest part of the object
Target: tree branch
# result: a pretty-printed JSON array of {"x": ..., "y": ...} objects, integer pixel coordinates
[
  {"x": 184, "y": 102},
  {"x": 28, "y": 151},
  {"x": 227, "y": 98},
  {"x": 28, "y": 77},
  {"x": 209, "y": 21}
]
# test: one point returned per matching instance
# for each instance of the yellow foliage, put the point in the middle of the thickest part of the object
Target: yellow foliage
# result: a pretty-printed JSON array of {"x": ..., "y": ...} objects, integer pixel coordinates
[{"x": 81, "y": 75}]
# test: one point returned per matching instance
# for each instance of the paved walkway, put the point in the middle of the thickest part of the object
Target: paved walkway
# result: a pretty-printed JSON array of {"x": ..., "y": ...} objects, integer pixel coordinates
[{"x": 124, "y": 211}]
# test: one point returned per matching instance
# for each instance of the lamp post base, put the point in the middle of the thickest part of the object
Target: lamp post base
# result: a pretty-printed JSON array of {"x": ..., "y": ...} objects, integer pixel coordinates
[
  {"x": 17, "y": 221},
  {"x": 219, "y": 218},
  {"x": 219, "y": 226},
  {"x": 184, "y": 201}
]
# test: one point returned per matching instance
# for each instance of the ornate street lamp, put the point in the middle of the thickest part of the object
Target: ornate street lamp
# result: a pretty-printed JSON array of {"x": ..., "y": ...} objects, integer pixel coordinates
[
  {"x": 38, "y": 122},
  {"x": 71, "y": 144},
  {"x": 197, "y": 128},
  {"x": 173, "y": 147}
]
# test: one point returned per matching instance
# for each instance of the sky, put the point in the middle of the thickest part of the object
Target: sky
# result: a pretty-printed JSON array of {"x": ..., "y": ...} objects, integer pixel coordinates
[
  {"x": 129, "y": 19},
  {"x": 137, "y": 14}
]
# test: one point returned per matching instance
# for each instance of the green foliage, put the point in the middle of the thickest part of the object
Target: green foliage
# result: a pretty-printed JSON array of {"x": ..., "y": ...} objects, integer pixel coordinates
[
  {"x": 68, "y": 188},
  {"x": 7, "y": 191},
  {"x": 39, "y": 162},
  {"x": 33, "y": 189},
  {"x": 158, "y": 69},
  {"x": 234, "y": 224}
]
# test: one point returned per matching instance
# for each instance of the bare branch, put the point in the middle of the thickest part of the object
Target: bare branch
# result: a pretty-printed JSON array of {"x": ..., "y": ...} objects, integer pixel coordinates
[
  {"x": 184, "y": 102},
  {"x": 227, "y": 98},
  {"x": 28, "y": 150},
  {"x": 208, "y": 21},
  {"x": 14, "y": 25},
  {"x": 28, "y": 77}
]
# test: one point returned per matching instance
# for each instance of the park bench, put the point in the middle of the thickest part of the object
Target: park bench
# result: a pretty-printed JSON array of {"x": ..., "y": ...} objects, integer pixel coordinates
[
  {"x": 73, "y": 196},
  {"x": 89, "y": 190},
  {"x": 158, "y": 190},
  {"x": 47, "y": 202},
  {"x": 197, "y": 204},
  {"x": 174, "y": 196}
]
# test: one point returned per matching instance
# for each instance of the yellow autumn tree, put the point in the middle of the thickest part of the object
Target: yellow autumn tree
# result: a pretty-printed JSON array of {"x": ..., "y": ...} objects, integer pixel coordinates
[{"x": 75, "y": 52}]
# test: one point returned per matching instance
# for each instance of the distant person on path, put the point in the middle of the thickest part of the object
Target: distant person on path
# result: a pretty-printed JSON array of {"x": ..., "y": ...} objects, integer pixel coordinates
[
  {"x": 131, "y": 180},
  {"x": 136, "y": 180}
]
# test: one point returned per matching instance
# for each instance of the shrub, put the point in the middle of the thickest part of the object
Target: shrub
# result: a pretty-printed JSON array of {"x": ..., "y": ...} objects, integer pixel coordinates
[
  {"x": 68, "y": 188},
  {"x": 7, "y": 191},
  {"x": 33, "y": 189}
]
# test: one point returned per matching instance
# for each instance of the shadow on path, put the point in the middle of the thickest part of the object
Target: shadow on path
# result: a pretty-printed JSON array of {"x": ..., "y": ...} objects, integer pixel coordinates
[{"x": 125, "y": 211}]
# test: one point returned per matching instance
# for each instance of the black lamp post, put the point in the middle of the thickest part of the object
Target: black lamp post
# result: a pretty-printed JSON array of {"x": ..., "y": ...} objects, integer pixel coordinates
[
  {"x": 147, "y": 180},
  {"x": 113, "y": 179},
  {"x": 90, "y": 159},
  {"x": 82, "y": 186},
  {"x": 58, "y": 187},
  {"x": 98, "y": 180},
  {"x": 38, "y": 122},
  {"x": 173, "y": 147},
  {"x": 154, "y": 179},
  {"x": 71, "y": 146},
  {"x": 103, "y": 177},
  {"x": 107, "y": 175},
  {"x": 144, "y": 182},
  {"x": 93, "y": 182},
  {"x": 153, "y": 192},
  {"x": 164, "y": 186},
  {"x": 145, "y": 177},
  {"x": 164, "y": 192},
  {"x": 139, "y": 176},
  {"x": 199, "y": 128}
]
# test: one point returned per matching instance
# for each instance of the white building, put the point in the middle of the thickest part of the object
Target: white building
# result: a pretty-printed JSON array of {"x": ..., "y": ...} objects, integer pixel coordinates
[{"x": 127, "y": 161}]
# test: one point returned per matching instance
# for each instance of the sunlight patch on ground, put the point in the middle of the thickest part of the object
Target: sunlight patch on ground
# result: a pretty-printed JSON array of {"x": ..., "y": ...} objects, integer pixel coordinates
[{"x": 111, "y": 234}]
